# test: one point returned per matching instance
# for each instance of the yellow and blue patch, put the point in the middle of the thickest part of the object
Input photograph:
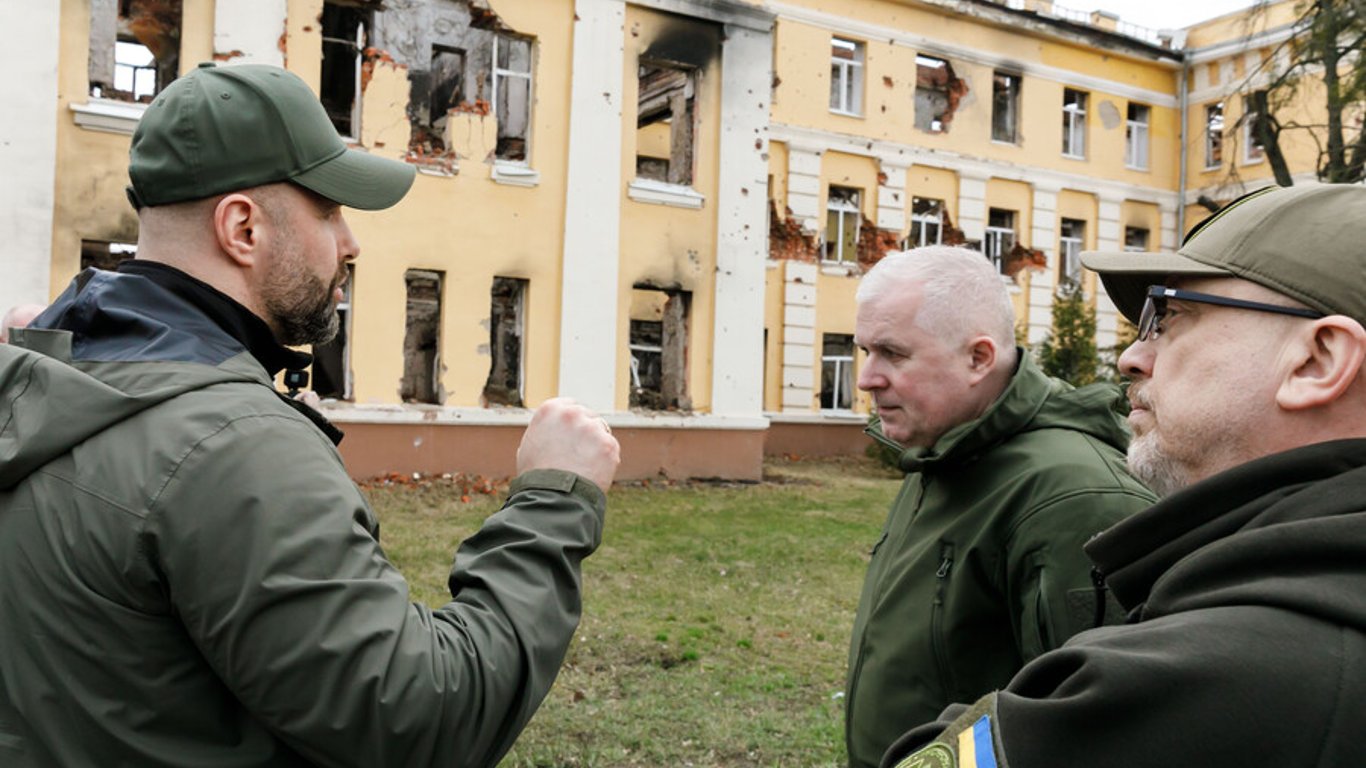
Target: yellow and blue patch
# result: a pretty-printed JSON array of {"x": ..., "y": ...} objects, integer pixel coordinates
[{"x": 975, "y": 746}]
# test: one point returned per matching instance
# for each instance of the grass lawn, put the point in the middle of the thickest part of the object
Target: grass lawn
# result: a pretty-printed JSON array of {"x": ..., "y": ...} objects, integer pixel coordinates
[{"x": 716, "y": 617}]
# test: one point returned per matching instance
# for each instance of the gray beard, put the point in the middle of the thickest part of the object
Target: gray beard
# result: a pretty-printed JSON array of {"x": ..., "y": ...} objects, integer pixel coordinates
[{"x": 1154, "y": 468}]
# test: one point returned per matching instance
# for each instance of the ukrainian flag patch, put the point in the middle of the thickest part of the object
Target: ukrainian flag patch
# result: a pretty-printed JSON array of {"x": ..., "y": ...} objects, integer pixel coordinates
[{"x": 975, "y": 746}]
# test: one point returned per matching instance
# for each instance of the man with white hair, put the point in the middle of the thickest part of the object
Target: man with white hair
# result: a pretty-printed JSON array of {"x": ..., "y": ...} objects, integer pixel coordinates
[
  {"x": 18, "y": 316},
  {"x": 980, "y": 565},
  {"x": 1246, "y": 584}
]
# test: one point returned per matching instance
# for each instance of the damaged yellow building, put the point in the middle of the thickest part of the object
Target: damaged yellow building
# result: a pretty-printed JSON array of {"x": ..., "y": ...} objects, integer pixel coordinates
[{"x": 658, "y": 207}]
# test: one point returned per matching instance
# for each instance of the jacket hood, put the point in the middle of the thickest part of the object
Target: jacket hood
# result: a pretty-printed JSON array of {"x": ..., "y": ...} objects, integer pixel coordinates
[
  {"x": 1030, "y": 401},
  {"x": 110, "y": 346},
  {"x": 1286, "y": 531}
]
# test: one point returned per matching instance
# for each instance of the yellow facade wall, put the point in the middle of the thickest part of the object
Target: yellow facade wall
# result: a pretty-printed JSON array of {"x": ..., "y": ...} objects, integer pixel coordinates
[{"x": 773, "y": 336}]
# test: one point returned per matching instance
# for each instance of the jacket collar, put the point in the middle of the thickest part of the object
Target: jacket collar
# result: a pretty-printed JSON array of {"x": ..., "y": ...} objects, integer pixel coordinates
[{"x": 1138, "y": 551}]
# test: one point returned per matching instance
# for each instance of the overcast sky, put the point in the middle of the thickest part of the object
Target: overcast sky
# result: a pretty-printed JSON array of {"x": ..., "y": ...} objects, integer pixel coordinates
[{"x": 1160, "y": 14}]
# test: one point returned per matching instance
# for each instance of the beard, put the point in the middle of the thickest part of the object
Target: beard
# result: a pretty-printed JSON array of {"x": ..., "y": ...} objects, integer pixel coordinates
[
  {"x": 299, "y": 303},
  {"x": 1153, "y": 467},
  {"x": 1146, "y": 458}
]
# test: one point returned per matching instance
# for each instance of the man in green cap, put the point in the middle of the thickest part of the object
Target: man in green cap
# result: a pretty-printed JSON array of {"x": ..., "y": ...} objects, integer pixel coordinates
[
  {"x": 190, "y": 577},
  {"x": 1245, "y": 584}
]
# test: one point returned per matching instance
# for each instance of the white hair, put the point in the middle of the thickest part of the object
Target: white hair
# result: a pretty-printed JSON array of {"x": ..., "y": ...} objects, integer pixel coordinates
[{"x": 961, "y": 293}]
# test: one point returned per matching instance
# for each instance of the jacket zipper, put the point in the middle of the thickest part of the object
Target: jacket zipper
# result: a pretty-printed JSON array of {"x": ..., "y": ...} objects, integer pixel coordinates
[{"x": 941, "y": 659}]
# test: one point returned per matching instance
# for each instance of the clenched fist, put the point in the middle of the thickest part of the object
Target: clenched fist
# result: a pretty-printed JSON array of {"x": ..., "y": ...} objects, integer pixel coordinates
[{"x": 567, "y": 436}]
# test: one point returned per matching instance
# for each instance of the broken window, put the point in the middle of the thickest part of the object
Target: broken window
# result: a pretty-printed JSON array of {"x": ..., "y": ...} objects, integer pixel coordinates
[
  {"x": 846, "y": 76},
  {"x": 842, "y": 225},
  {"x": 447, "y": 89},
  {"x": 1253, "y": 151},
  {"x": 1000, "y": 236},
  {"x": 134, "y": 48},
  {"x": 103, "y": 254},
  {"x": 461, "y": 59},
  {"x": 1071, "y": 235},
  {"x": 1073, "y": 123},
  {"x": 1136, "y": 137},
  {"x": 1214, "y": 135},
  {"x": 507, "y": 324},
  {"x": 658, "y": 347},
  {"x": 512, "y": 95},
  {"x": 927, "y": 223},
  {"x": 332, "y": 361},
  {"x": 837, "y": 372},
  {"x": 934, "y": 83},
  {"x": 1135, "y": 238},
  {"x": 1005, "y": 107},
  {"x": 421, "y": 340},
  {"x": 345, "y": 27},
  {"x": 665, "y": 123}
]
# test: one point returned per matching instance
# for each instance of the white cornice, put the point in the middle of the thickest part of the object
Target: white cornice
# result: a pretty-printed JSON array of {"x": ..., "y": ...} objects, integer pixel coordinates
[
  {"x": 973, "y": 167},
  {"x": 1240, "y": 45},
  {"x": 942, "y": 49}
]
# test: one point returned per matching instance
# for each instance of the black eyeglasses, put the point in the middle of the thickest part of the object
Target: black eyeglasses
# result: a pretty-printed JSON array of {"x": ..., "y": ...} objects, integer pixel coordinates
[{"x": 1155, "y": 308}]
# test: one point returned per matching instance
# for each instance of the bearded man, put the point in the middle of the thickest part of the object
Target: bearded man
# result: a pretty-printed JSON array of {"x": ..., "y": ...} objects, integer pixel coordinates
[{"x": 190, "y": 576}]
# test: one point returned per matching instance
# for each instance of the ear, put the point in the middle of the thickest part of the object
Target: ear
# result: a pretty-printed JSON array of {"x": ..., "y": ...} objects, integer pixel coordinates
[
  {"x": 981, "y": 358},
  {"x": 1326, "y": 361},
  {"x": 237, "y": 226}
]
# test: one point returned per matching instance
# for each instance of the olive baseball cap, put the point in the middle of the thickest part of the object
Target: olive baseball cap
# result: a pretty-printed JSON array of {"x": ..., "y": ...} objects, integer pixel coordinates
[
  {"x": 1305, "y": 242},
  {"x": 222, "y": 129}
]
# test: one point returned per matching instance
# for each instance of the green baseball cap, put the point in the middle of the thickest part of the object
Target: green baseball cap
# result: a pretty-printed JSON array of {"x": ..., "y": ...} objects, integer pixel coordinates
[
  {"x": 222, "y": 129},
  {"x": 1306, "y": 242}
]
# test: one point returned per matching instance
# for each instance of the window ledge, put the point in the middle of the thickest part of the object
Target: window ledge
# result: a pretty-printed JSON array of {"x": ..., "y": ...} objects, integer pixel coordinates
[
  {"x": 1254, "y": 160},
  {"x": 1143, "y": 168},
  {"x": 108, "y": 115},
  {"x": 514, "y": 174},
  {"x": 663, "y": 193},
  {"x": 440, "y": 171},
  {"x": 843, "y": 113},
  {"x": 1073, "y": 157},
  {"x": 839, "y": 268},
  {"x": 1004, "y": 143}
]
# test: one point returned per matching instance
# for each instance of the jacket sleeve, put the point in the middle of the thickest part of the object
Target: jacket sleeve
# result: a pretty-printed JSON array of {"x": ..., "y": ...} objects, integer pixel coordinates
[
  {"x": 1227, "y": 687},
  {"x": 266, "y": 550},
  {"x": 1048, "y": 576}
]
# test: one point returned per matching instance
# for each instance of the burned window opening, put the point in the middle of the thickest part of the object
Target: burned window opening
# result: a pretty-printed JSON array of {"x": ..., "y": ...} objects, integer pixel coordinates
[
  {"x": 842, "y": 221},
  {"x": 421, "y": 339},
  {"x": 1005, "y": 107},
  {"x": 658, "y": 347},
  {"x": 927, "y": 223},
  {"x": 332, "y": 375},
  {"x": 345, "y": 30},
  {"x": 937, "y": 93},
  {"x": 134, "y": 48},
  {"x": 665, "y": 123},
  {"x": 507, "y": 326},
  {"x": 105, "y": 254},
  {"x": 461, "y": 60},
  {"x": 1000, "y": 237}
]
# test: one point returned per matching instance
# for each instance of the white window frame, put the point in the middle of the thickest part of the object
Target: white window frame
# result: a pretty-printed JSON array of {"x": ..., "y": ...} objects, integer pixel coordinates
[
  {"x": 1136, "y": 138},
  {"x": 499, "y": 72},
  {"x": 1074, "y": 124},
  {"x": 1253, "y": 152},
  {"x": 846, "y": 78},
  {"x": 137, "y": 71},
  {"x": 1213, "y": 121},
  {"x": 999, "y": 240},
  {"x": 841, "y": 363},
  {"x": 1069, "y": 250},
  {"x": 925, "y": 221},
  {"x": 847, "y": 209}
]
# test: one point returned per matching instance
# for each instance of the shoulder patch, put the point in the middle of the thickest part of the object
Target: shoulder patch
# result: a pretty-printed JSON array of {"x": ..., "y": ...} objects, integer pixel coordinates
[{"x": 968, "y": 742}]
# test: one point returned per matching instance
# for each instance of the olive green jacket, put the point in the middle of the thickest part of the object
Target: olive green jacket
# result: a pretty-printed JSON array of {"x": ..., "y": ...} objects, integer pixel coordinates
[
  {"x": 980, "y": 567},
  {"x": 191, "y": 578}
]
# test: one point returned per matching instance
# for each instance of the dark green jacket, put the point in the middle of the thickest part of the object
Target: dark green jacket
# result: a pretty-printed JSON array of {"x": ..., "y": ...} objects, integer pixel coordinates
[
  {"x": 1247, "y": 647},
  {"x": 980, "y": 565},
  {"x": 190, "y": 578}
]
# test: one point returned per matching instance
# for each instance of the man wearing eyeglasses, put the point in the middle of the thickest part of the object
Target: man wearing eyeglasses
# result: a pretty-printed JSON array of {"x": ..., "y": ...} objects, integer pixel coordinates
[{"x": 1246, "y": 583}]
